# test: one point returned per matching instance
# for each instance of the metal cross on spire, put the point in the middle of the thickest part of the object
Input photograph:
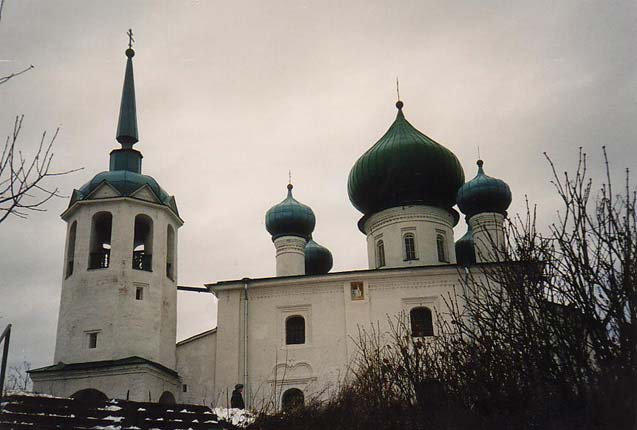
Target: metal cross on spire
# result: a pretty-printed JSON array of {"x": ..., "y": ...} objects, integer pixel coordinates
[
  {"x": 130, "y": 38},
  {"x": 289, "y": 176},
  {"x": 397, "y": 88}
]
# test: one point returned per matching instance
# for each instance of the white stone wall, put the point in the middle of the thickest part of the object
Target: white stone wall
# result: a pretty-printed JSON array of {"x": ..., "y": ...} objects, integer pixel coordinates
[
  {"x": 196, "y": 368},
  {"x": 332, "y": 317},
  {"x": 104, "y": 300},
  {"x": 290, "y": 255},
  {"x": 134, "y": 381},
  {"x": 424, "y": 222},
  {"x": 488, "y": 236}
]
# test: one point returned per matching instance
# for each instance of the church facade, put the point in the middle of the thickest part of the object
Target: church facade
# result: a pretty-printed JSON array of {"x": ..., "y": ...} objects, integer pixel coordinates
[{"x": 284, "y": 338}]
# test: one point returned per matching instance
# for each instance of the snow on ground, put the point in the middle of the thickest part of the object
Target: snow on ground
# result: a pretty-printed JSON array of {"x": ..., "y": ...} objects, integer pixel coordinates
[
  {"x": 237, "y": 417},
  {"x": 29, "y": 394}
]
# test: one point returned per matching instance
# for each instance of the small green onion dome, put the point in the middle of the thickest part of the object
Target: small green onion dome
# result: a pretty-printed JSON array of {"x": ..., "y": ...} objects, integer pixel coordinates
[
  {"x": 318, "y": 259},
  {"x": 290, "y": 218},
  {"x": 405, "y": 167},
  {"x": 465, "y": 249},
  {"x": 484, "y": 194}
]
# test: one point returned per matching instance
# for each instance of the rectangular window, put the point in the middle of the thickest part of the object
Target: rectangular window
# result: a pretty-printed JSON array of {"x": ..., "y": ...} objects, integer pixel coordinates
[
  {"x": 441, "y": 246},
  {"x": 184, "y": 388},
  {"x": 92, "y": 340},
  {"x": 410, "y": 247},
  {"x": 139, "y": 293}
]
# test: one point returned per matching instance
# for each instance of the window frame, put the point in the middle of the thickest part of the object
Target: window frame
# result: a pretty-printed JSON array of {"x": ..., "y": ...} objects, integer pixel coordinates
[
  {"x": 427, "y": 329},
  {"x": 380, "y": 254},
  {"x": 441, "y": 247},
  {"x": 409, "y": 256},
  {"x": 288, "y": 335},
  {"x": 92, "y": 337}
]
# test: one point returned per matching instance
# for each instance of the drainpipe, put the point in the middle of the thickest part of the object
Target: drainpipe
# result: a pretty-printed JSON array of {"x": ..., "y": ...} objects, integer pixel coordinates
[{"x": 245, "y": 339}]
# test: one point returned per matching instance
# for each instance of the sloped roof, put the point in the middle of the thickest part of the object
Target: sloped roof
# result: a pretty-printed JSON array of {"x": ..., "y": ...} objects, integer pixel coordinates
[
  {"x": 24, "y": 411},
  {"x": 104, "y": 363}
]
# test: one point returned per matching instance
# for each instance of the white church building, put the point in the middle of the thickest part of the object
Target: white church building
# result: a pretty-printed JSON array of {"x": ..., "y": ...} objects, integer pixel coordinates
[{"x": 285, "y": 337}]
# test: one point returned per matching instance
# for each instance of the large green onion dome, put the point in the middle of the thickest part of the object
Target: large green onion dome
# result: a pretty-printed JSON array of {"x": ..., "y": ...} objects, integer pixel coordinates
[
  {"x": 318, "y": 259},
  {"x": 465, "y": 249},
  {"x": 290, "y": 218},
  {"x": 484, "y": 194},
  {"x": 405, "y": 167}
]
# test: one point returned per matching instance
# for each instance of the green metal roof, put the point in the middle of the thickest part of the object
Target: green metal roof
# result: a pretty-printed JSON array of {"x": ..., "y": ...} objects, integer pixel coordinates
[
  {"x": 465, "y": 249},
  {"x": 290, "y": 218},
  {"x": 126, "y": 183},
  {"x": 127, "y": 133},
  {"x": 405, "y": 167},
  {"x": 125, "y": 170},
  {"x": 484, "y": 194},
  {"x": 318, "y": 259}
]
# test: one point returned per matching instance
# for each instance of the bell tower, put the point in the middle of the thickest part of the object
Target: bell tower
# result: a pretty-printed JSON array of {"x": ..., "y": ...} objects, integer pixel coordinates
[{"x": 117, "y": 322}]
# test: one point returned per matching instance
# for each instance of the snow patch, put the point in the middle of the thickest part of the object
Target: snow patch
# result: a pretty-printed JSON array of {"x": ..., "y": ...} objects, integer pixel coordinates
[{"x": 237, "y": 417}]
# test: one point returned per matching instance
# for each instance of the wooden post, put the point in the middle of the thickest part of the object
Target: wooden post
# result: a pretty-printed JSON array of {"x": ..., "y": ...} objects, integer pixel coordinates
[{"x": 6, "y": 336}]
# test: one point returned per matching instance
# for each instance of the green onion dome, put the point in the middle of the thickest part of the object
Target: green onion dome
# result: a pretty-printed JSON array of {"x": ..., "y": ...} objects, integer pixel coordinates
[
  {"x": 405, "y": 167},
  {"x": 484, "y": 194},
  {"x": 465, "y": 249},
  {"x": 318, "y": 259},
  {"x": 290, "y": 218}
]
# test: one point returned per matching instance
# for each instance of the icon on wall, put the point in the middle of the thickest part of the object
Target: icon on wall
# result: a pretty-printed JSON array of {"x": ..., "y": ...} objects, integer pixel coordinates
[{"x": 358, "y": 293}]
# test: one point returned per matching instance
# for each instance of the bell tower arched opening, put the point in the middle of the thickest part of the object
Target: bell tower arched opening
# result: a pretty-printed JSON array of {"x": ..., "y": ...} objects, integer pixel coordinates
[
  {"x": 143, "y": 244},
  {"x": 70, "y": 250},
  {"x": 170, "y": 252},
  {"x": 100, "y": 248}
]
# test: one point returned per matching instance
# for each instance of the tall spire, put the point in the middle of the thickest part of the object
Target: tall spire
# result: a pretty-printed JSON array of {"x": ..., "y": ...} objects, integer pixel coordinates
[{"x": 127, "y": 124}]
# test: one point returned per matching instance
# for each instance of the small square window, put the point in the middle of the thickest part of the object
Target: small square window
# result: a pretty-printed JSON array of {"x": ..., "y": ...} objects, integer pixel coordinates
[
  {"x": 139, "y": 293},
  {"x": 92, "y": 340},
  {"x": 184, "y": 388}
]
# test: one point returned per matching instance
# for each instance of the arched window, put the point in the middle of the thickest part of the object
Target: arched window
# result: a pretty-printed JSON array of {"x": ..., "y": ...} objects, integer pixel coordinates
[
  {"x": 70, "y": 250},
  {"x": 410, "y": 246},
  {"x": 292, "y": 399},
  {"x": 100, "y": 251},
  {"x": 421, "y": 322},
  {"x": 167, "y": 399},
  {"x": 441, "y": 245},
  {"x": 143, "y": 245},
  {"x": 90, "y": 395},
  {"x": 170, "y": 253},
  {"x": 380, "y": 253},
  {"x": 295, "y": 330}
]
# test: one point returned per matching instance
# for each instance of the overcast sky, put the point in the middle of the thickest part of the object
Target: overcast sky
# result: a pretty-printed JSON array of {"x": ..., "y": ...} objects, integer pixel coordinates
[{"x": 230, "y": 95}]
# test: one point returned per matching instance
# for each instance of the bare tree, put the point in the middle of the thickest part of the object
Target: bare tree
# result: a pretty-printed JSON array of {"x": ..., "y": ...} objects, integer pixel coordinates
[
  {"x": 24, "y": 181},
  {"x": 18, "y": 378}
]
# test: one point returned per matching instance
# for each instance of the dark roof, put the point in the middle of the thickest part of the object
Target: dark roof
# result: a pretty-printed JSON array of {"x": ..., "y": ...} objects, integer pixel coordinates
[
  {"x": 69, "y": 367},
  {"x": 28, "y": 411}
]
